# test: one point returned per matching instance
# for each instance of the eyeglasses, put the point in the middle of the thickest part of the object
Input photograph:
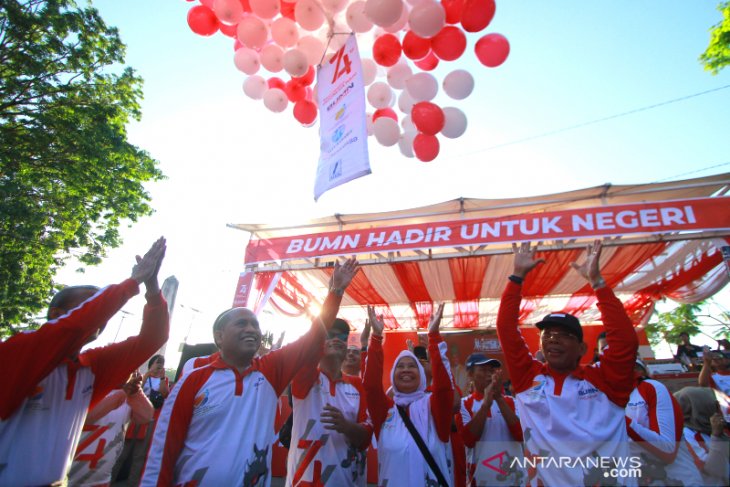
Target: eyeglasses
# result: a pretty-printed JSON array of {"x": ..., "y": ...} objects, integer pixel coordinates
[
  {"x": 559, "y": 335},
  {"x": 339, "y": 336}
]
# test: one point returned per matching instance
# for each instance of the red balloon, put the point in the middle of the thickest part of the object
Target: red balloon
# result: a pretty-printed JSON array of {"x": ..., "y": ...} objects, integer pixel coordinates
[
  {"x": 295, "y": 91},
  {"x": 307, "y": 78},
  {"x": 305, "y": 112},
  {"x": 492, "y": 50},
  {"x": 428, "y": 63},
  {"x": 276, "y": 83},
  {"x": 415, "y": 47},
  {"x": 229, "y": 30},
  {"x": 477, "y": 14},
  {"x": 427, "y": 117},
  {"x": 385, "y": 112},
  {"x": 246, "y": 6},
  {"x": 449, "y": 44},
  {"x": 202, "y": 20},
  {"x": 287, "y": 10},
  {"x": 426, "y": 147},
  {"x": 386, "y": 50},
  {"x": 453, "y": 9}
]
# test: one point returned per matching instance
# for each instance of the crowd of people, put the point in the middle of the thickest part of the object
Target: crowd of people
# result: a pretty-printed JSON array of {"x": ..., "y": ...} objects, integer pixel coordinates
[{"x": 90, "y": 418}]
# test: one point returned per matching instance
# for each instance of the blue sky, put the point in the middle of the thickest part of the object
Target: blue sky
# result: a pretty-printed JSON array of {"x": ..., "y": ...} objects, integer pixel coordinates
[{"x": 229, "y": 160}]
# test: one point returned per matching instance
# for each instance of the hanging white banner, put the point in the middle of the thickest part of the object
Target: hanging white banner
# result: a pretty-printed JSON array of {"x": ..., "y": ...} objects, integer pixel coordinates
[{"x": 342, "y": 127}]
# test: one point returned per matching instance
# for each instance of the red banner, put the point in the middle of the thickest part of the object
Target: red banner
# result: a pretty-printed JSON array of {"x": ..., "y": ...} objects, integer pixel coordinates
[{"x": 602, "y": 221}]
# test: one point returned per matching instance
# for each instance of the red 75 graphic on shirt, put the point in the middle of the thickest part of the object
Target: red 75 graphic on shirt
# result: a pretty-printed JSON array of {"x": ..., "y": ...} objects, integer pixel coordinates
[
  {"x": 499, "y": 457},
  {"x": 92, "y": 458},
  {"x": 340, "y": 58}
]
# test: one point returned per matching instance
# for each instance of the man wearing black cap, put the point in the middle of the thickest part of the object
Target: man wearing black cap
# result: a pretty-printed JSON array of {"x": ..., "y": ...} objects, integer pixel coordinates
[
  {"x": 572, "y": 415},
  {"x": 331, "y": 430},
  {"x": 489, "y": 427}
]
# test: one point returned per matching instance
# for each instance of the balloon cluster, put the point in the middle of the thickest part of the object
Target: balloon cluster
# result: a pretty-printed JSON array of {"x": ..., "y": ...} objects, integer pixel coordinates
[{"x": 409, "y": 39}]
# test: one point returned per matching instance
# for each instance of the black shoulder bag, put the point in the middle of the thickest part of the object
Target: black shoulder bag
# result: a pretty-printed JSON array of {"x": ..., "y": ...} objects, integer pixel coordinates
[{"x": 422, "y": 446}]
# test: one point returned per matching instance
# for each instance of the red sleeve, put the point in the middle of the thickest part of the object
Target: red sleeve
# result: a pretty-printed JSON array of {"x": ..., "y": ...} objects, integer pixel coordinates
[
  {"x": 522, "y": 367},
  {"x": 171, "y": 429},
  {"x": 442, "y": 397},
  {"x": 615, "y": 375},
  {"x": 378, "y": 403},
  {"x": 113, "y": 363},
  {"x": 280, "y": 366},
  {"x": 469, "y": 439},
  {"x": 57, "y": 339},
  {"x": 362, "y": 412},
  {"x": 515, "y": 429},
  {"x": 304, "y": 380}
]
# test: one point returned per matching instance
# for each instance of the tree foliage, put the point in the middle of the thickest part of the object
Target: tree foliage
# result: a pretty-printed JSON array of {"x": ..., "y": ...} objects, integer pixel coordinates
[
  {"x": 717, "y": 55},
  {"x": 670, "y": 324},
  {"x": 68, "y": 176}
]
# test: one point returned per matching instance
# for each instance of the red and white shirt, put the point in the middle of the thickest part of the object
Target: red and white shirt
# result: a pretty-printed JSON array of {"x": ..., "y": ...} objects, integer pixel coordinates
[
  {"x": 318, "y": 456},
  {"x": 700, "y": 447},
  {"x": 489, "y": 457},
  {"x": 654, "y": 423},
  {"x": 197, "y": 362},
  {"x": 720, "y": 382},
  {"x": 400, "y": 462},
  {"x": 102, "y": 439},
  {"x": 217, "y": 425},
  {"x": 581, "y": 412},
  {"x": 39, "y": 437}
]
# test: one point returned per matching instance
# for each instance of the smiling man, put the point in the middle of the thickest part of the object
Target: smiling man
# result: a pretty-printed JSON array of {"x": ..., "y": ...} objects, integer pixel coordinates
[
  {"x": 217, "y": 425},
  {"x": 572, "y": 415}
]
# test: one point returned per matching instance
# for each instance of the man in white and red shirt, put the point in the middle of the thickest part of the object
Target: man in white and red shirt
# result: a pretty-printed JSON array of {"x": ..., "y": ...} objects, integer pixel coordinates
[
  {"x": 331, "y": 430},
  {"x": 654, "y": 422},
  {"x": 48, "y": 388},
  {"x": 715, "y": 373},
  {"x": 103, "y": 436},
  {"x": 217, "y": 426},
  {"x": 489, "y": 426},
  {"x": 572, "y": 415}
]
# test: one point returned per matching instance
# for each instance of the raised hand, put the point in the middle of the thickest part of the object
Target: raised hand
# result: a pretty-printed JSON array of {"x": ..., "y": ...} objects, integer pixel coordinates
[
  {"x": 365, "y": 335},
  {"x": 376, "y": 322},
  {"x": 497, "y": 384},
  {"x": 343, "y": 274},
  {"x": 433, "y": 325},
  {"x": 146, "y": 269},
  {"x": 409, "y": 344},
  {"x": 525, "y": 259},
  {"x": 134, "y": 384},
  {"x": 590, "y": 269}
]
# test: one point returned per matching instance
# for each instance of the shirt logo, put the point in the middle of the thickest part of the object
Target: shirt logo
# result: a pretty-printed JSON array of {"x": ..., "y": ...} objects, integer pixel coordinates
[
  {"x": 87, "y": 389},
  {"x": 201, "y": 399},
  {"x": 37, "y": 393},
  {"x": 590, "y": 392}
]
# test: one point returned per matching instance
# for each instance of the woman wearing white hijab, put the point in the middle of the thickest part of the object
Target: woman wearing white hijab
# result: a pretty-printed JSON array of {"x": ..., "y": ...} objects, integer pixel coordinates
[{"x": 400, "y": 461}]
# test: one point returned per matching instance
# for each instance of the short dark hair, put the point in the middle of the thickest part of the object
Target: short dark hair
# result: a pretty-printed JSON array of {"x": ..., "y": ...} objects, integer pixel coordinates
[
  {"x": 154, "y": 359},
  {"x": 341, "y": 326},
  {"x": 63, "y": 297},
  {"x": 219, "y": 321},
  {"x": 420, "y": 352}
]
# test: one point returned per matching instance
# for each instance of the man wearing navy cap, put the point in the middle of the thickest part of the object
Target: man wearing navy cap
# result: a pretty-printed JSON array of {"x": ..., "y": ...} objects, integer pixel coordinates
[
  {"x": 572, "y": 415},
  {"x": 489, "y": 426}
]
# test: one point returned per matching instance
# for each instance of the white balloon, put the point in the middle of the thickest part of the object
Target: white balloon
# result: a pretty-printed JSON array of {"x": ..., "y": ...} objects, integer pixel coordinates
[
  {"x": 369, "y": 70},
  {"x": 252, "y": 32},
  {"x": 405, "y": 102},
  {"x": 246, "y": 60},
  {"x": 309, "y": 14},
  {"x": 313, "y": 48},
  {"x": 454, "y": 123},
  {"x": 386, "y": 131},
  {"x": 254, "y": 87},
  {"x": 407, "y": 124},
  {"x": 334, "y": 6},
  {"x": 265, "y": 9},
  {"x": 275, "y": 100},
  {"x": 295, "y": 63},
  {"x": 405, "y": 143},
  {"x": 229, "y": 12},
  {"x": 272, "y": 58},
  {"x": 284, "y": 32},
  {"x": 380, "y": 95},
  {"x": 458, "y": 84},
  {"x": 398, "y": 74},
  {"x": 356, "y": 18},
  {"x": 399, "y": 24},
  {"x": 383, "y": 12},
  {"x": 427, "y": 19},
  {"x": 422, "y": 86}
]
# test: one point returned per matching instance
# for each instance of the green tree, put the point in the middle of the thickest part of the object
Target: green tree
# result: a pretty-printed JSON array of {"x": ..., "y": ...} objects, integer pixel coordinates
[
  {"x": 669, "y": 325},
  {"x": 68, "y": 176},
  {"x": 717, "y": 55}
]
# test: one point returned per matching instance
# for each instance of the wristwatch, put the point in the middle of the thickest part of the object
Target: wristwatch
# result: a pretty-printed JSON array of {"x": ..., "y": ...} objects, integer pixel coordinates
[{"x": 337, "y": 291}]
